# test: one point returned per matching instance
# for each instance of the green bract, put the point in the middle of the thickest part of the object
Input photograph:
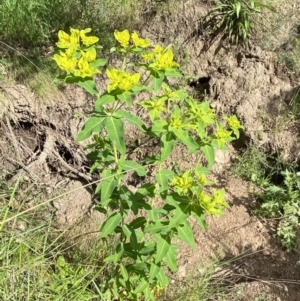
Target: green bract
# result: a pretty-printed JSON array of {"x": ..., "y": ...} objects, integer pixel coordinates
[{"x": 145, "y": 244}]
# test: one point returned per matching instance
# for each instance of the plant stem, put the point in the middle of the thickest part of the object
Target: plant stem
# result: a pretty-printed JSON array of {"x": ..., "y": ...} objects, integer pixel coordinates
[
  {"x": 124, "y": 62},
  {"x": 12, "y": 196},
  {"x": 116, "y": 155}
]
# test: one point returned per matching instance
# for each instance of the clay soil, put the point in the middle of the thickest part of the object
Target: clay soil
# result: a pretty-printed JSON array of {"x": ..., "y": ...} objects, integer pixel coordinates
[{"x": 37, "y": 142}]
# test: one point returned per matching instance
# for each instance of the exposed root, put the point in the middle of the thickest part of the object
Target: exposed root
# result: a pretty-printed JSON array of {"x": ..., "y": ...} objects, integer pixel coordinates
[
  {"x": 37, "y": 140},
  {"x": 40, "y": 166}
]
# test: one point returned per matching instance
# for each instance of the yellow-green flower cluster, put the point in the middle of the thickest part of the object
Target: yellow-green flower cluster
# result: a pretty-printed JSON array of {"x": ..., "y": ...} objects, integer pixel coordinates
[
  {"x": 155, "y": 106},
  {"x": 163, "y": 60},
  {"x": 193, "y": 187},
  {"x": 202, "y": 179},
  {"x": 121, "y": 80},
  {"x": 78, "y": 52},
  {"x": 151, "y": 55},
  {"x": 233, "y": 122},
  {"x": 213, "y": 205},
  {"x": 176, "y": 122},
  {"x": 201, "y": 112},
  {"x": 222, "y": 134},
  {"x": 190, "y": 182},
  {"x": 184, "y": 183},
  {"x": 68, "y": 40},
  {"x": 123, "y": 37}
]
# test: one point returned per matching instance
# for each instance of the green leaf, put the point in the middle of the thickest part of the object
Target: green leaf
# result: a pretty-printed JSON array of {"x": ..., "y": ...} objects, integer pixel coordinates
[
  {"x": 180, "y": 215},
  {"x": 98, "y": 63},
  {"x": 141, "y": 287},
  {"x": 156, "y": 228},
  {"x": 119, "y": 252},
  {"x": 103, "y": 99},
  {"x": 110, "y": 224},
  {"x": 94, "y": 124},
  {"x": 178, "y": 95},
  {"x": 125, "y": 194},
  {"x": 145, "y": 190},
  {"x": 172, "y": 73},
  {"x": 148, "y": 294},
  {"x": 140, "y": 266},
  {"x": 127, "y": 231},
  {"x": 200, "y": 217},
  {"x": 157, "y": 79},
  {"x": 129, "y": 252},
  {"x": 122, "y": 282},
  {"x": 139, "y": 222},
  {"x": 89, "y": 85},
  {"x": 171, "y": 260},
  {"x": 168, "y": 141},
  {"x": 162, "y": 278},
  {"x": 175, "y": 198},
  {"x": 117, "y": 255},
  {"x": 99, "y": 155},
  {"x": 166, "y": 209},
  {"x": 159, "y": 126},
  {"x": 100, "y": 209},
  {"x": 186, "y": 234},
  {"x": 131, "y": 119},
  {"x": 162, "y": 248},
  {"x": 133, "y": 241},
  {"x": 162, "y": 178},
  {"x": 154, "y": 270},
  {"x": 238, "y": 9},
  {"x": 131, "y": 236},
  {"x": 202, "y": 170},
  {"x": 107, "y": 185},
  {"x": 126, "y": 97},
  {"x": 236, "y": 133},
  {"x": 184, "y": 137},
  {"x": 149, "y": 248},
  {"x": 143, "y": 204},
  {"x": 209, "y": 154},
  {"x": 110, "y": 258},
  {"x": 124, "y": 272},
  {"x": 153, "y": 215},
  {"x": 115, "y": 131},
  {"x": 133, "y": 166},
  {"x": 137, "y": 89}
]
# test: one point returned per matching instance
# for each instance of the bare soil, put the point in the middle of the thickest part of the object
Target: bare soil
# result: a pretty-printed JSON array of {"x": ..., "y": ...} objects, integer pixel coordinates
[{"x": 38, "y": 142}]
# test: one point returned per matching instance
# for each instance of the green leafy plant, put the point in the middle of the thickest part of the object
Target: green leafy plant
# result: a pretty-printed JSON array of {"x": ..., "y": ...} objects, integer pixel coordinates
[
  {"x": 234, "y": 19},
  {"x": 288, "y": 51},
  {"x": 259, "y": 167},
  {"x": 252, "y": 165},
  {"x": 31, "y": 23},
  {"x": 283, "y": 202},
  {"x": 294, "y": 105},
  {"x": 38, "y": 261},
  {"x": 145, "y": 231}
]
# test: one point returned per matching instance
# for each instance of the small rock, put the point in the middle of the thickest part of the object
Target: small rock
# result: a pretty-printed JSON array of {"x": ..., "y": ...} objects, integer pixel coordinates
[
  {"x": 21, "y": 226},
  {"x": 181, "y": 272}
]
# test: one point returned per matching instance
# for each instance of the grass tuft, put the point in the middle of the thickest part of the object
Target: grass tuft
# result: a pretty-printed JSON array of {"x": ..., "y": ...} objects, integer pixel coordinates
[{"x": 40, "y": 262}]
